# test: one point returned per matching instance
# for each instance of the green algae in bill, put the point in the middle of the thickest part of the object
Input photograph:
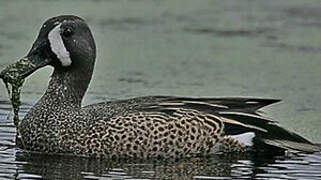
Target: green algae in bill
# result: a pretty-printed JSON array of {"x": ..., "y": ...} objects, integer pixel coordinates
[{"x": 13, "y": 78}]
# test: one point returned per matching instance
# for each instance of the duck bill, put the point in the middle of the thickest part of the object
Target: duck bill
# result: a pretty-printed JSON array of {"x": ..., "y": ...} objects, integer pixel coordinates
[{"x": 23, "y": 68}]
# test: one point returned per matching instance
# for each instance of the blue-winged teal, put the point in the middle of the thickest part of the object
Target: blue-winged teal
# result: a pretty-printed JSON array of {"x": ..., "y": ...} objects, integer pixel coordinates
[{"x": 149, "y": 126}]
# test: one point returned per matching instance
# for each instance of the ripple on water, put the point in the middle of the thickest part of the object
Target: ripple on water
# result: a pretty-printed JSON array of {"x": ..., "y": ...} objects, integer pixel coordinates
[{"x": 16, "y": 163}]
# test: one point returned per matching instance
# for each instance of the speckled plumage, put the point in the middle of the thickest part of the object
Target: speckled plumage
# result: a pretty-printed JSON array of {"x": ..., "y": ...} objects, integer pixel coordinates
[{"x": 151, "y": 126}]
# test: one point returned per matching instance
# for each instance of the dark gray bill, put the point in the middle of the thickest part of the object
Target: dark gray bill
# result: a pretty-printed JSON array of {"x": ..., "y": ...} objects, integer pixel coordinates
[
  {"x": 13, "y": 77},
  {"x": 22, "y": 68}
]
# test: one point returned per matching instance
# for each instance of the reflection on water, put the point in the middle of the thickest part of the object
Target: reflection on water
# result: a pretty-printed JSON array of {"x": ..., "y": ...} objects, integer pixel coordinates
[
  {"x": 17, "y": 163},
  {"x": 204, "y": 48}
]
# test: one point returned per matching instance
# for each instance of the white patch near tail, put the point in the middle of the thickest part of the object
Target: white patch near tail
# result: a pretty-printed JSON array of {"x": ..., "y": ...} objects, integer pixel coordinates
[
  {"x": 245, "y": 138},
  {"x": 57, "y": 46}
]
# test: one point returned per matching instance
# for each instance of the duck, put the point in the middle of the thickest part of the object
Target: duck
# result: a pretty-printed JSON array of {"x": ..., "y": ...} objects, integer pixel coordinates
[{"x": 139, "y": 127}]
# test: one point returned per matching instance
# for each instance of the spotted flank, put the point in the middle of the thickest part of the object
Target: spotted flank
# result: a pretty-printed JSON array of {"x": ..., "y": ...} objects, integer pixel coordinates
[{"x": 142, "y": 127}]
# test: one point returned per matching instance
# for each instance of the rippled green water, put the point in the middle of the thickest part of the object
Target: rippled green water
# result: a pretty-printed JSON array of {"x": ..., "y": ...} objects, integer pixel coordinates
[{"x": 191, "y": 48}]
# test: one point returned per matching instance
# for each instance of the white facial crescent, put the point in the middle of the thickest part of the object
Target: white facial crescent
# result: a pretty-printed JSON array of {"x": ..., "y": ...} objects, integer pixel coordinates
[{"x": 57, "y": 46}]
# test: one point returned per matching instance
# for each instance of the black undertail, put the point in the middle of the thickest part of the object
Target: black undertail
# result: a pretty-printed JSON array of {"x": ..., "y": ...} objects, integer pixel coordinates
[{"x": 239, "y": 115}]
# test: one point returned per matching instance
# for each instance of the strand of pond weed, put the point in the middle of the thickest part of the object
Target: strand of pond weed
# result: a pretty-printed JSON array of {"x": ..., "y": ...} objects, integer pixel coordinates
[{"x": 14, "y": 80}]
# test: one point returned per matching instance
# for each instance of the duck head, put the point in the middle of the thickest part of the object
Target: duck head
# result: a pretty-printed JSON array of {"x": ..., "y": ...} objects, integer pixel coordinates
[{"x": 64, "y": 42}]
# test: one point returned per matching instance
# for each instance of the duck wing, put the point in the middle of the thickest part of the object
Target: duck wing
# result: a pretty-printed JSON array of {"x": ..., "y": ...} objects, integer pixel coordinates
[{"x": 238, "y": 116}]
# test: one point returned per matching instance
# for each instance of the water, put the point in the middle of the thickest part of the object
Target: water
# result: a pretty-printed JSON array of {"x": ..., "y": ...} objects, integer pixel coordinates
[{"x": 188, "y": 48}]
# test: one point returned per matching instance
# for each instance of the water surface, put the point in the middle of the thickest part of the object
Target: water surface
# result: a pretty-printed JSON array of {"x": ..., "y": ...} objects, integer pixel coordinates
[{"x": 188, "y": 48}]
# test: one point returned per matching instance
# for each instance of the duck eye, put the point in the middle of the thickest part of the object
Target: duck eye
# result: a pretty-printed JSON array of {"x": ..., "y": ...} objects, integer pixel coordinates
[{"x": 67, "y": 32}]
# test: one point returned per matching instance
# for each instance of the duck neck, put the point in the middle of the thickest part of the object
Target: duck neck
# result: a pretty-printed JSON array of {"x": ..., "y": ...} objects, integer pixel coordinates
[{"x": 67, "y": 88}]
